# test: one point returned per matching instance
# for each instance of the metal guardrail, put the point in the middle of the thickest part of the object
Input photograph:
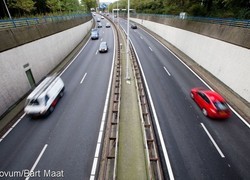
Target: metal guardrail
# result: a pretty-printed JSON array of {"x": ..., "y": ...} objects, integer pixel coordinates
[
  {"x": 15, "y": 23},
  {"x": 222, "y": 21}
]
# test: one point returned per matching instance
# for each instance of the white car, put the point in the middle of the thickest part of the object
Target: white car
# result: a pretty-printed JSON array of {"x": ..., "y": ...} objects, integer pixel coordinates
[
  {"x": 103, "y": 47},
  {"x": 99, "y": 25},
  {"x": 107, "y": 25}
]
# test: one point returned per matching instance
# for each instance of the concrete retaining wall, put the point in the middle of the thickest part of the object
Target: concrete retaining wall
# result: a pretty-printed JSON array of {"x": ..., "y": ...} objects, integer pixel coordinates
[
  {"x": 14, "y": 37},
  {"x": 228, "y": 62},
  {"x": 39, "y": 56}
]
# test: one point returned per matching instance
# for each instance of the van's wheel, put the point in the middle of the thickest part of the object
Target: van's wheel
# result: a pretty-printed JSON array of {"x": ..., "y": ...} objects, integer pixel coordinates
[
  {"x": 51, "y": 109},
  {"x": 204, "y": 111},
  {"x": 61, "y": 94}
]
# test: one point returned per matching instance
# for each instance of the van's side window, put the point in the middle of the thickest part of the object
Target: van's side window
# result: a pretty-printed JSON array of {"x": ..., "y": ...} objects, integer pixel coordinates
[{"x": 46, "y": 99}]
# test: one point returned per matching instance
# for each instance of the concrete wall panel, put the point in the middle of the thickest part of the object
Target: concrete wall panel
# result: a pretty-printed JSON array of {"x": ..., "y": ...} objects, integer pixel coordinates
[
  {"x": 228, "y": 62},
  {"x": 41, "y": 56}
]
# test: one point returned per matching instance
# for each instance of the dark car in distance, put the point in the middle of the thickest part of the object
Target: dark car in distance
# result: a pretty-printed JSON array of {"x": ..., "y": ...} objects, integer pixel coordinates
[{"x": 133, "y": 26}]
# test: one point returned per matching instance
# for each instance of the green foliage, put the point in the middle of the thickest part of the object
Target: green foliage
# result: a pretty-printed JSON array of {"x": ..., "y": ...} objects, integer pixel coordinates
[
  {"x": 57, "y": 7},
  {"x": 196, "y": 10},
  {"x": 24, "y": 5},
  {"x": 173, "y": 10},
  {"x": 214, "y": 8},
  {"x": 53, "y": 5},
  {"x": 89, "y": 4}
]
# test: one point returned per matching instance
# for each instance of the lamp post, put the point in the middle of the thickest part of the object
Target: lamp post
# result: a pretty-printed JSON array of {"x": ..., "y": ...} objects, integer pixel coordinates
[
  {"x": 7, "y": 9},
  {"x": 127, "y": 59}
]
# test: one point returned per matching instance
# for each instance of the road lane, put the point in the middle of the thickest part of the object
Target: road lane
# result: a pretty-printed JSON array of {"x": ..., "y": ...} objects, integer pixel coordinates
[
  {"x": 71, "y": 131},
  {"x": 192, "y": 154}
]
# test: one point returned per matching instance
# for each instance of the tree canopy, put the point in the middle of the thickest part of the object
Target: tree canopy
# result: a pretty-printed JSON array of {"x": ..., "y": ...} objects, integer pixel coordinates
[
  {"x": 210, "y": 8},
  {"x": 19, "y": 8}
]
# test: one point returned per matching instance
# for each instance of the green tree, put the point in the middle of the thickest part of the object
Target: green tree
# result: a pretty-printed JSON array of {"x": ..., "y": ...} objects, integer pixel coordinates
[
  {"x": 24, "y": 5},
  {"x": 53, "y": 5},
  {"x": 89, "y": 4},
  {"x": 41, "y": 7}
]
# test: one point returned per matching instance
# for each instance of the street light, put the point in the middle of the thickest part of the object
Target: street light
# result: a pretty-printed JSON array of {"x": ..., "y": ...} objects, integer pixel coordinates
[
  {"x": 7, "y": 9},
  {"x": 127, "y": 59}
]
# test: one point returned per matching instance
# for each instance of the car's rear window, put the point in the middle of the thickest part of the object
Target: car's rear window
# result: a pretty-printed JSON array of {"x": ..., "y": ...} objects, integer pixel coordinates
[{"x": 220, "y": 105}]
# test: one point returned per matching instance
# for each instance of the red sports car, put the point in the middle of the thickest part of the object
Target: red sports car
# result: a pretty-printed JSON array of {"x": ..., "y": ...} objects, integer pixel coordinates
[{"x": 211, "y": 103}]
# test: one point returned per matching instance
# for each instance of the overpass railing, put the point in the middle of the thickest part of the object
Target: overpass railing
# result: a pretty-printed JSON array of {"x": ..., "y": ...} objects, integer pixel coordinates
[
  {"x": 222, "y": 21},
  {"x": 15, "y": 23}
]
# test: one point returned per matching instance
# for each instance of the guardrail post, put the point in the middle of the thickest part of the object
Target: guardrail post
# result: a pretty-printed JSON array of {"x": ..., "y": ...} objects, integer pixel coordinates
[{"x": 13, "y": 22}]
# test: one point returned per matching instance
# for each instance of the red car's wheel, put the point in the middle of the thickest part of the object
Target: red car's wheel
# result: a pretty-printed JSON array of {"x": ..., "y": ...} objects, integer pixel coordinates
[
  {"x": 192, "y": 95},
  {"x": 204, "y": 111}
]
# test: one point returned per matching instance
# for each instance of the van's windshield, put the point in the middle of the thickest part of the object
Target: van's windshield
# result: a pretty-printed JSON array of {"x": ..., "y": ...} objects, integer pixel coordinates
[{"x": 33, "y": 102}]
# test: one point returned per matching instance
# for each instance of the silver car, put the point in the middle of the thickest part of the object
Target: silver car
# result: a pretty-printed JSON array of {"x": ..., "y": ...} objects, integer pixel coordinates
[
  {"x": 103, "y": 47},
  {"x": 99, "y": 25},
  {"x": 107, "y": 25}
]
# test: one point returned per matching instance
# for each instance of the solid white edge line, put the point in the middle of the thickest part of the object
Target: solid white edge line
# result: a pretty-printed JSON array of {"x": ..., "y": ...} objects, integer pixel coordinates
[
  {"x": 100, "y": 136},
  {"x": 213, "y": 141},
  {"x": 12, "y": 127},
  {"x": 241, "y": 118},
  {"x": 164, "y": 149},
  {"x": 83, "y": 78},
  {"x": 234, "y": 111},
  {"x": 37, "y": 160},
  {"x": 167, "y": 71}
]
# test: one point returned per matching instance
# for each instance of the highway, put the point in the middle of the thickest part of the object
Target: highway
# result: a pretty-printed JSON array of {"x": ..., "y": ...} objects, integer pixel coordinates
[
  {"x": 63, "y": 144},
  {"x": 197, "y": 147}
]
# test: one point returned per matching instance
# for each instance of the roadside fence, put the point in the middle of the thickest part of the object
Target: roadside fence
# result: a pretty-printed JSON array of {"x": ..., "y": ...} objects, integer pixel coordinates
[{"x": 15, "y": 23}]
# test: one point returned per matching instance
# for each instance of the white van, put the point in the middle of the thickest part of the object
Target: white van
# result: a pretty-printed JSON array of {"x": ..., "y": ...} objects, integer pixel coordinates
[{"x": 45, "y": 96}]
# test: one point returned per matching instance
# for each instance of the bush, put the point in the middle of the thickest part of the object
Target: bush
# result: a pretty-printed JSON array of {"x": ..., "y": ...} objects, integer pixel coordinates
[{"x": 197, "y": 10}]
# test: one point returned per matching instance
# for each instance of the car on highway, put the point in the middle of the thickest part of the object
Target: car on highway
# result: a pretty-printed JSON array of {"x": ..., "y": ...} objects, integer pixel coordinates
[
  {"x": 107, "y": 25},
  {"x": 99, "y": 25},
  {"x": 133, "y": 26},
  {"x": 103, "y": 47},
  {"x": 43, "y": 99},
  {"x": 212, "y": 104},
  {"x": 94, "y": 34},
  {"x": 98, "y": 20}
]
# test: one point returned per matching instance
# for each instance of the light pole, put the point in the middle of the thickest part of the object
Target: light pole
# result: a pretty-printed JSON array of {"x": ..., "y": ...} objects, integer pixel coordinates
[
  {"x": 7, "y": 9},
  {"x": 127, "y": 59},
  {"x": 117, "y": 13}
]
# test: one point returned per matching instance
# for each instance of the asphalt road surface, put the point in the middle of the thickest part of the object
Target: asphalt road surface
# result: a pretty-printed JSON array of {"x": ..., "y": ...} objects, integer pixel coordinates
[
  {"x": 197, "y": 147},
  {"x": 63, "y": 144}
]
